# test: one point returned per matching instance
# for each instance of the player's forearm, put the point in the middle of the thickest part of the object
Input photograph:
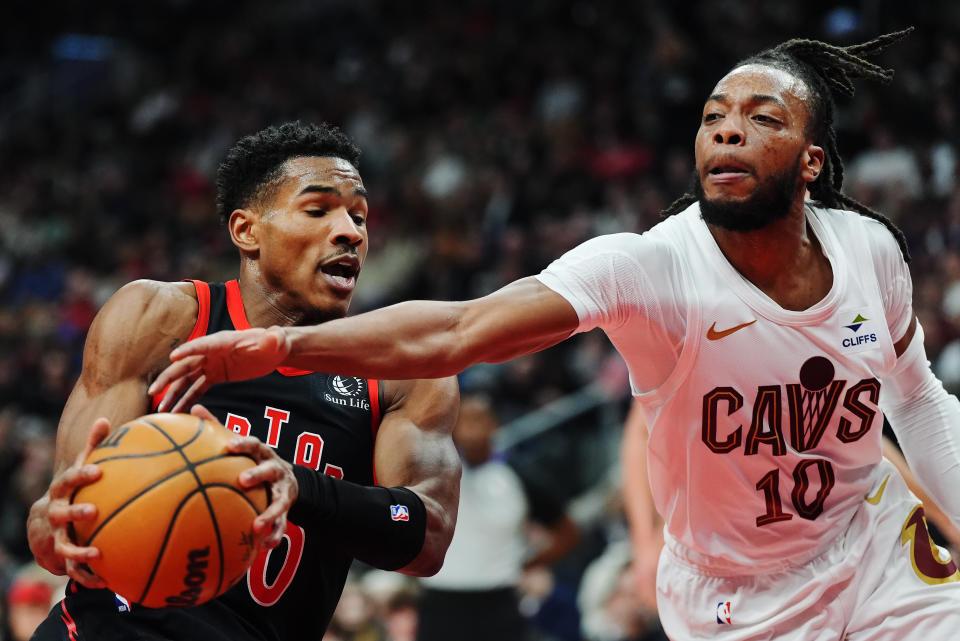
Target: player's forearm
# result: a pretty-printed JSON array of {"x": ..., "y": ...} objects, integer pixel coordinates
[
  {"x": 383, "y": 526},
  {"x": 441, "y": 522},
  {"x": 415, "y": 339},
  {"x": 645, "y": 523},
  {"x": 927, "y": 422}
]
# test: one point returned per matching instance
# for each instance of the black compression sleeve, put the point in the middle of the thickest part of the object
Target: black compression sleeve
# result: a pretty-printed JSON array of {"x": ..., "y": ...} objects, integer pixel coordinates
[{"x": 382, "y": 526}]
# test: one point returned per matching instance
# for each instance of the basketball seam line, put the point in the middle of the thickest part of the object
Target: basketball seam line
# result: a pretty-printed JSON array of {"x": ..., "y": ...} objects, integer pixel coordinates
[{"x": 213, "y": 518}]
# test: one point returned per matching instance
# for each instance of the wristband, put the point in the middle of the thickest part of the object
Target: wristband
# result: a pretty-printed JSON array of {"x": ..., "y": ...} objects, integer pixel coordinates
[{"x": 382, "y": 526}]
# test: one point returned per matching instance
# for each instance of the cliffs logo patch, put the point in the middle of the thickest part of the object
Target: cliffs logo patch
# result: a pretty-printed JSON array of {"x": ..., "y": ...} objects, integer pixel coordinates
[
  {"x": 723, "y": 612},
  {"x": 399, "y": 513},
  {"x": 860, "y": 336},
  {"x": 348, "y": 386},
  {"x": 857, "y": 323}
]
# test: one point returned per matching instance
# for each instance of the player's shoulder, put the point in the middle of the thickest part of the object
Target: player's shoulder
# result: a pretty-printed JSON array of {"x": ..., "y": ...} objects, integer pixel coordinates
[
  {"x": 142, "y": 309},
  {"x": 156, "y": 301},
  {"x": 134, "y": 331},
  {"x": 851, "y": 224}
]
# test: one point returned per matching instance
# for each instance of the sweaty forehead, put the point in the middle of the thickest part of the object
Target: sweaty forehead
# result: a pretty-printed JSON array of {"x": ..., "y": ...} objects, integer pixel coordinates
[
  {"x": 763, "y": 79},
  {"x": 321, "y": 170}
]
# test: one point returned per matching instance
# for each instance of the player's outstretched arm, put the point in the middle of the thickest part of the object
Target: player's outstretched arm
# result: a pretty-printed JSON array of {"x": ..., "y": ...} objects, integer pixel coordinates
[
  {"x": 126, "y": 345},
  {"x": 416, "y": 339}
]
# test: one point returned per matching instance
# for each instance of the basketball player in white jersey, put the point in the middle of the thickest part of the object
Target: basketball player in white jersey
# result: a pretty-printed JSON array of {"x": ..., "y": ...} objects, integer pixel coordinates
[{"x": 763, "y": 334}]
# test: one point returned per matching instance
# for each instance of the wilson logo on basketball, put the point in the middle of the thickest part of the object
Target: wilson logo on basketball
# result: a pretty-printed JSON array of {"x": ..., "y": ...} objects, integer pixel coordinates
[
  {"x": 193, "y": 580},
  {"x": 348, "y": 391}
]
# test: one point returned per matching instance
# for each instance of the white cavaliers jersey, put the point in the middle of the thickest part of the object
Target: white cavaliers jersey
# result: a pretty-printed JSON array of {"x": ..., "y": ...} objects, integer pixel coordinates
[{"x": 764, "y": 423}]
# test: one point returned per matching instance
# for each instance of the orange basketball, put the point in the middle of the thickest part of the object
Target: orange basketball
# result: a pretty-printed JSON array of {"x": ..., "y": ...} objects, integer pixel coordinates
[{"x": 173, "y": 527}]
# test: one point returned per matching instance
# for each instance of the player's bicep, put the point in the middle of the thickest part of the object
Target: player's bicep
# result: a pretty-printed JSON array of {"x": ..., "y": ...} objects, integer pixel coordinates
[
  {"x": 128, "y": 342},
  {"x": 522, "y": 317},
  {"x": 414, "y": 445}
]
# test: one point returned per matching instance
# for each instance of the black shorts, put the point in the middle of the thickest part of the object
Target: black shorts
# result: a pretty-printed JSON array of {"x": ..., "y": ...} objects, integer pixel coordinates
[{"x": 97, "y": 615}]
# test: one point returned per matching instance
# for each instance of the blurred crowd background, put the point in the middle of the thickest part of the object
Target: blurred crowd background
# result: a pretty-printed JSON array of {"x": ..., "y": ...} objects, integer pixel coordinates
[{"x": 496, "y": 135}]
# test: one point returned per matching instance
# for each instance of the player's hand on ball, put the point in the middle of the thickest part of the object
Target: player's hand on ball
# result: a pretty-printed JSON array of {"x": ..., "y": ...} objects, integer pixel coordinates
[
  {"x": 278, "y": 474},
  {"x": 272, "y": 470},
  {"x": 224, "y": 356},
  {"x": 48, "y": 526}
]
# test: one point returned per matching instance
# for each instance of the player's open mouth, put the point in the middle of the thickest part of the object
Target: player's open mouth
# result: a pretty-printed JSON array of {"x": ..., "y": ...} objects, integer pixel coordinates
[
  {"x": 342, "y": 272},
  {"x": 728, "y": 172}
]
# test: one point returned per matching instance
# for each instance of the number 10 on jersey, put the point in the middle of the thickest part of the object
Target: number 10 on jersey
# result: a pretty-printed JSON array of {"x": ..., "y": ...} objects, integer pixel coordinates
[{"x": 769, "y": 485}]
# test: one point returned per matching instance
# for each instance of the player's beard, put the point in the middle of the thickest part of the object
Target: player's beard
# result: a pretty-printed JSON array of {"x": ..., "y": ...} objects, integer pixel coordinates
[{"x": 771, "y": 201}]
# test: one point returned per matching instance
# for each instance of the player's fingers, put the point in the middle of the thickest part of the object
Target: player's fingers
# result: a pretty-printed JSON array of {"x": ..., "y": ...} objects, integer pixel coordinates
[
  {"x": 73, "y": 477},
  {"x": 70, "y": 551},
  {"x": 270, "y": 518},
  {"x": 171, "y": 391},
  {"x": 196, "y": 390},
  {"x": 188, "y": 368},
  {"x": 82, "y": 574},
  {"x": 213, "y": 343},
  {"x": 270, "y": 471},
  {"x": 276, "y": 533},
  {"x": 61, "y": 512},
  {"x": 200, "y": 411},
  {"x": 251, "y": 446},
  {"x": 98, "y": 431}
]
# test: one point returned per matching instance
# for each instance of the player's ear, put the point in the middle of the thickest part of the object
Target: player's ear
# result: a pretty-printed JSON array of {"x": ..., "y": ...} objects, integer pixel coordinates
[
  {"x": 244, "y": 229},
  {"x": 812, "y": 160}
]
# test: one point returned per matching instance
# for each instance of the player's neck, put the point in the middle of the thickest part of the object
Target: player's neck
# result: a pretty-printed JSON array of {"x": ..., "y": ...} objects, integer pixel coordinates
[{"x": 784, "y": 259}]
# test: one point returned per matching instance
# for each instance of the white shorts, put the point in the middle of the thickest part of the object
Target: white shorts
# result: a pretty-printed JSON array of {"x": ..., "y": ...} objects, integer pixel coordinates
[{"x": 882, "y": 580}]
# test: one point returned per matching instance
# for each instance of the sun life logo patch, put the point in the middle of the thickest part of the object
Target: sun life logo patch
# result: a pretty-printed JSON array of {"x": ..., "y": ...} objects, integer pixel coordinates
[{"x": 349, "y": 386}]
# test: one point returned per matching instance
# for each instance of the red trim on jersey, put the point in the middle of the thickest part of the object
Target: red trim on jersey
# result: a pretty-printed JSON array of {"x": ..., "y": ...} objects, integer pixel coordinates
[
  {"x": 239, "y": 317},
  {"x": 373, "y": 386},
  {"x": 199, "y": 328},
  {"x": 203, "y": 314},
  {"x": 69, "y": 623}
]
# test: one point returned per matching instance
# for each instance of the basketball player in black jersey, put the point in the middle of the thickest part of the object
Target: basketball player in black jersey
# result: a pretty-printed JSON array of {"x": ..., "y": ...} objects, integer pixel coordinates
[{"x": 363, "y": 468}]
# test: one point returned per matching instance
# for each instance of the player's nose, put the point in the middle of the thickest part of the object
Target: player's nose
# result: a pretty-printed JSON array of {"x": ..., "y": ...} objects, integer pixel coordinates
[
  {"x": 729, "y": 133},
  {"x": 345, "y": 229}
]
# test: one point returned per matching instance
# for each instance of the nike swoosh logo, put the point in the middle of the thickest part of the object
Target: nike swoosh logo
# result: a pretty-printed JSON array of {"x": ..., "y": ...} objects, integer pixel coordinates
[
  {"x": 875, "y": 499},
  {"x": 714, "y": 335}
]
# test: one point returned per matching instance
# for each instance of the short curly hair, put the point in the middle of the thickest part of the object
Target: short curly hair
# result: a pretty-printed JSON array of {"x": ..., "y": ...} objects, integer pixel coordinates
[{"x": 254, "y": 164}]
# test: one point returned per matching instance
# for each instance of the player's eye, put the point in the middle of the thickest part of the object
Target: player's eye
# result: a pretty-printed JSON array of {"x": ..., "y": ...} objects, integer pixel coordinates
[
  {"x": 765, "y": 118},
  {"x": 358, "y": 219},
  {"x": 316, "y": 212},
  {"x": 711, "y": 117}
]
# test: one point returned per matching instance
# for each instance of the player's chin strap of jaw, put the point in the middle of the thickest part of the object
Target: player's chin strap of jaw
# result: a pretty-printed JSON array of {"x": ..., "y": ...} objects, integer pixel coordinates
[
  {"x": 382, "y": 526},
  {"x": 926, "y": 420}
]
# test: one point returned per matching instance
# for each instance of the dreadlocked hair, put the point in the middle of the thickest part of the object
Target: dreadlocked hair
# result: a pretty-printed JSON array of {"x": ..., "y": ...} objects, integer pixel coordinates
[{"x": 827, "y": 70}]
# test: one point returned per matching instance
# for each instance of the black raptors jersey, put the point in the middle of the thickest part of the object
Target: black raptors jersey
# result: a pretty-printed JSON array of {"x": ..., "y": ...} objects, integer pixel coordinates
[{"x": 325, "y": 422}]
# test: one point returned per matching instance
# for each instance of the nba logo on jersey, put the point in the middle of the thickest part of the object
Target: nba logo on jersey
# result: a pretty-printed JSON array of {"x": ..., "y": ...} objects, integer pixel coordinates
[
  {"x": 122, "y": 604},
  {"x": 723, "y": 612},
  {"x": 399, "y": 513}
]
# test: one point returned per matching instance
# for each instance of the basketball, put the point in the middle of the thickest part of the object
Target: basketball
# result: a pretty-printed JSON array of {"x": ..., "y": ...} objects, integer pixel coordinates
[{"x": 173, "y": 527}]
